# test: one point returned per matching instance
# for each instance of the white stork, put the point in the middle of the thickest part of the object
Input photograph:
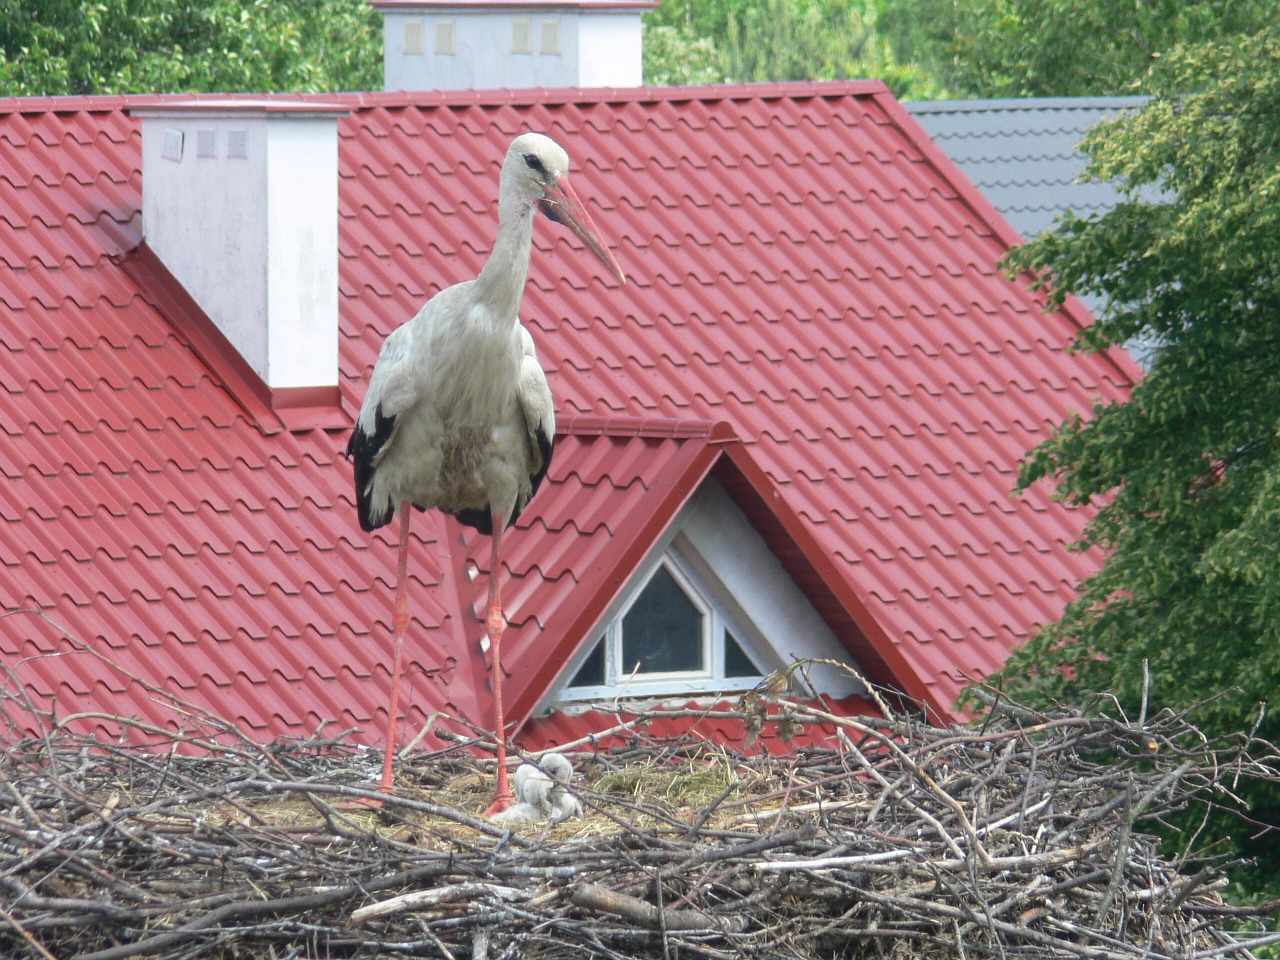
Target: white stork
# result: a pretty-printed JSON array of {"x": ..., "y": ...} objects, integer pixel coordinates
[{"x": 458, "y": 414}]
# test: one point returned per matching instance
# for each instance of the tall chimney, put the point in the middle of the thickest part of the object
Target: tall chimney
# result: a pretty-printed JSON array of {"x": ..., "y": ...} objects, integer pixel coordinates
[
  {"x": 512, "y": 44},
  {"x": 240, "y": 202}
]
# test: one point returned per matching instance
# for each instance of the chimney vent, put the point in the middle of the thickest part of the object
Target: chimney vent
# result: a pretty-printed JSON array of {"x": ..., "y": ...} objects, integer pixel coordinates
[
  {"x": 171, "y": 149},
  {"x": 414, "y": 38},
  {"x": 206, "y": 143},
  {"x": 550, "y": 36},
  {"x": 445, "y": 43},
  {"x": 522, "y": 35}
]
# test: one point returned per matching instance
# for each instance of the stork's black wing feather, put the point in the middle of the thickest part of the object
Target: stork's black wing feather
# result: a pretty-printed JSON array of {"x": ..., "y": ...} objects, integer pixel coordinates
[
  {"x": 362, "y": 450},
  {"x": 546, "y": 447}
]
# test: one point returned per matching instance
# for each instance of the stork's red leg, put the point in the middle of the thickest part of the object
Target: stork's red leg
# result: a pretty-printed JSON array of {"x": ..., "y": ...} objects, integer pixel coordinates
[
  {"x": 502, "y": 798},
  {"x": 400, "y": 628}
]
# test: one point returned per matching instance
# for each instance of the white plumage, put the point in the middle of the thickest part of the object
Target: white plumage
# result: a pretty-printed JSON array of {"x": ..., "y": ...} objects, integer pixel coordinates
[
  {"x": 458, "y": 414},
  {"x": 466, "y": 414},
  {"x": 541, "y": 794}
]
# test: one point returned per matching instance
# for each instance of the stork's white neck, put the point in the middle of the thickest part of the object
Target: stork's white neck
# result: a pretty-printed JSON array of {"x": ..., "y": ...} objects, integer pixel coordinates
[{"x": 501, "y": 282}]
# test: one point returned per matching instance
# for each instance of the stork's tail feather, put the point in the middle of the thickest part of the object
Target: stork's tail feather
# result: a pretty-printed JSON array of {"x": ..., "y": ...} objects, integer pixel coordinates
[
  {"x": 482, "y": 518},
  {"x": 546, "y": 441},
  {"x": 370, "y": 519}
]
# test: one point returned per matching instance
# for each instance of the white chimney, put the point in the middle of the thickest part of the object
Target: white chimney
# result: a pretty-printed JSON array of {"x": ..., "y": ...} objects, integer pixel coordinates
[
  {"x": 240, "y": 202},
  {"x": 511, "y": 44}
]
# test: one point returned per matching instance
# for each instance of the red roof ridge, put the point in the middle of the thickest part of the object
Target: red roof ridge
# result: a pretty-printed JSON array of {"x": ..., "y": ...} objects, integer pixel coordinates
[
  {"x": 676, "y": 428},
  {"x": 799, "y": 89}
]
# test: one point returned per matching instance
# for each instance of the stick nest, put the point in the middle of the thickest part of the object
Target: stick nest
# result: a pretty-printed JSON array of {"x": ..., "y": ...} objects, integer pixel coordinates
[{"x": 1021, "y": 838}]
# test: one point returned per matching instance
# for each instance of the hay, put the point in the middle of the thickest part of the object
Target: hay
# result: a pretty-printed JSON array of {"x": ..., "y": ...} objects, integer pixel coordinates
[{"x": 1019, "y": 839}]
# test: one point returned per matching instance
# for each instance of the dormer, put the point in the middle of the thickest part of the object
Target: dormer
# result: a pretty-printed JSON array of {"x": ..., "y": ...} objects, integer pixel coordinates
[{"x": 708, "y": 613}]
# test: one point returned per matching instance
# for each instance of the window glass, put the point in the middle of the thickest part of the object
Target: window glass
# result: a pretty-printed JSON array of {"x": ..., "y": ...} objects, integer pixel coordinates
[
  {"x": 736, "y": 661},
  {"x": 591, "y": 673},
  {"x": 663, "y": 629}
]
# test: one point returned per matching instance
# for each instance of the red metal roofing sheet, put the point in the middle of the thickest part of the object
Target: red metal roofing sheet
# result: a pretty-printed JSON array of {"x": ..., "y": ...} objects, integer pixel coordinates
[
  {"x": 578, "y": 727},
  {"x": 802, "y": 265}
]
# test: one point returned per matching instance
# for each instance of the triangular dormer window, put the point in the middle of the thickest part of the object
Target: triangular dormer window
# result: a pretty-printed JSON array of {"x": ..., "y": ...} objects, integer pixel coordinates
[
  {"x": 708, "y": 613},
  {"x": 672, "y": 637}
]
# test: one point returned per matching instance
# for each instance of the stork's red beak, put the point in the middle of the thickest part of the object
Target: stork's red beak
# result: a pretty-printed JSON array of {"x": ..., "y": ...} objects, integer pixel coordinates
[{"x": 562, "y": 205}]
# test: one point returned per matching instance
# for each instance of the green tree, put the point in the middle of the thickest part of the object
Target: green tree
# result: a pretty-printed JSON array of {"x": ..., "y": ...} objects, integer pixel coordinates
[
  {"x": 674, "y": 56},
  {"x": 147, "y": 46},
  {"x": 1186, "y": 473},
  {"x": 1021, "y": 48},
  {"x": 745, "y": 41}
]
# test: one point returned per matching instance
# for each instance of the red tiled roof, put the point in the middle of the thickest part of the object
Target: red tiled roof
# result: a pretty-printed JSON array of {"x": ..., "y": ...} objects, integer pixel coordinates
[
  {"x": 813, "y": 315},
  {"x": 678, "y": 720}
]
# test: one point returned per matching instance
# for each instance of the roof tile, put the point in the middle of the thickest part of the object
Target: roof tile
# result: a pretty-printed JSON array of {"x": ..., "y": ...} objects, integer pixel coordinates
[{"x": 799, "y": 266}]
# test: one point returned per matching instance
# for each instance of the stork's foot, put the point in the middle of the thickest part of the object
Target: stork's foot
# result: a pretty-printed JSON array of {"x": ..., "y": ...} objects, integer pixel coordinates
[
  {"x": 356, "y": 804},
  {"x": 359, "y": 804},
  {"x": 501, "y": 801}
]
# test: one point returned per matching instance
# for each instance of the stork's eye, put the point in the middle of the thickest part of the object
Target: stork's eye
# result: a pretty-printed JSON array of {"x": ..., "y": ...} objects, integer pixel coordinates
[{"x": 535, "y": 163}]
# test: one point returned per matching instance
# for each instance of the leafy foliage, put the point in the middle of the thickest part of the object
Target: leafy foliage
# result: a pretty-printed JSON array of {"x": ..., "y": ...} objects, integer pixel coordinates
[
  {"x": 674, "y": 56},
  {"x": 778, "y": 40},
  {"x": 1005, "y": 48},
  {"x": 128, "y": 46},
  {"x": 1187, "y": 472}
]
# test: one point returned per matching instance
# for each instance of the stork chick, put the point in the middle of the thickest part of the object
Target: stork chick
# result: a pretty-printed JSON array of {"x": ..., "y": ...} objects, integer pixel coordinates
[{"x": 541, "y": 793}]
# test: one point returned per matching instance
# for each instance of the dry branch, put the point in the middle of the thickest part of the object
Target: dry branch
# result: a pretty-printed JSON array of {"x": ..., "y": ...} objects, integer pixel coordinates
[
  {"x": 421, "y": 900},
  {"x": 591, "y": 896},
  {"x": 1023, "y": 839}
]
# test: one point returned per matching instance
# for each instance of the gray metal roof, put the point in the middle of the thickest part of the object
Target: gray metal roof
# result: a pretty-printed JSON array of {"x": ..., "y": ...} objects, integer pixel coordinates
[
  {"x": 1022, "y": 153},
  {"x": 1023, "y": 156}
]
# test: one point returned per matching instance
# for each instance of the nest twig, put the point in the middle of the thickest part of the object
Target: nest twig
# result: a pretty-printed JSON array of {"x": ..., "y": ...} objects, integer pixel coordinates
[{"x": 1023, "y": 838}]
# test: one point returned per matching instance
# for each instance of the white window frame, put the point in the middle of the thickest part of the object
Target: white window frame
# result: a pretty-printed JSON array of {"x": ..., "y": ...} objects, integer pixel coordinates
[
  {"x": 716, "y": 548},
  {"x": 619, "y": 679},
  {"x": 615, "y": 641}
]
